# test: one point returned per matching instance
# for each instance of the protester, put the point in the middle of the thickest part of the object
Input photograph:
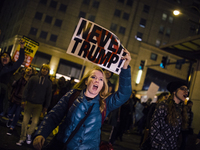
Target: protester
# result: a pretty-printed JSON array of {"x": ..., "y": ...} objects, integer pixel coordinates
[
  {"x": 123, "y": 119},
  {"x": 37, "y": 93},
  {"x": 16, "y": 99},
  {"x": 145, "y": 135},
  {"x": 7, "y": 68},
  {"x": 189, "y": 131},
  {"x": 94, "y": 90},
  {"x": 169, "y": 117},
  {"x": 111, "y": 86},
  {"x": 198, "y": 138},
  {"x": 69, "y": 85},
  {"x": 61, "y": 90}
]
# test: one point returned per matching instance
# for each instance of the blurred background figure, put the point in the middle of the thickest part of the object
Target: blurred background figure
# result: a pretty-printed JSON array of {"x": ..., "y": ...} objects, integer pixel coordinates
[
  {"x": 60, "y": 91},
  {"x": 15, "y": 108},
  {"x": 163, "y": 96},
  {"x": 7, "y": 68},
  {"x": 69, "y": 85},
  {"x": 189, "y": 131},
  {"x": 111, "y": 86}
]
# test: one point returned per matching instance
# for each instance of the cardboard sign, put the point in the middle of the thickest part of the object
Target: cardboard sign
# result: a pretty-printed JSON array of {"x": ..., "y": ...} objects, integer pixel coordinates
[
  {"x": 98, "y": 45},
  {"x": 153, "y": 88},
  {"x": 30, "y": 48}
]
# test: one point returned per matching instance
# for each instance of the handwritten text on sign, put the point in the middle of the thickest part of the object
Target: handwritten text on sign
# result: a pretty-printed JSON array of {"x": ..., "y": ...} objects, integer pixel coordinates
[{"x": 98, "y": 45}]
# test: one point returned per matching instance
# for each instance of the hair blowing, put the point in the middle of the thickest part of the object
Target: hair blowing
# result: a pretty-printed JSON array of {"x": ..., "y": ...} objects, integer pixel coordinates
[
  {"x": 104, "y": 91},
  {"x": 173, "y": 114}
]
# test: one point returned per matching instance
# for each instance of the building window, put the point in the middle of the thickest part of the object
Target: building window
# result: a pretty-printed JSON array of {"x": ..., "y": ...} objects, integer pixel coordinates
[
  {"x": 69, "y": 69},
  {"x": 87, "y": 2},
  {"x": 168, "y": 32},
  {"x": 178, "y": 64},
  {"x": 43, "y": 2},
  {"x": 164, "y": 16},
  {"x": 43, "y": 34},
  {"x": 153, "y": 56},
  {"x": 139, "y": 36},
  {"x": 33, "y": 31},
  {"x": 146, "y": 8},
  {"x": 91, "y": 18},
  {"x": 53, "y": 38},
  {"x": 121, "y": 1},
  {"x": 58, "y": 23},
  {"x": 122, "y": 30},
  {"x": 38, "y": 15},
  {"x": 129, "y": 2},
  {"x": 10, "y": 49},
  {"x": 161, "y": 30},
  {"x": 126, "y": 16},
  {"x": 117, "y": 13},
  {"x": 53, "y": 4},
  {"x": 48, "y": 19},
  {"x": 171, "y": 19},
  {"x": 95, "y": 4},
  {"x": 82, "y": 14},
  {"x": 113, "y": 27},
  {"x": 63, "y": 7},
  {"x": 142, "y": 23},
  {"x": 40, "y": 58},
  {"x": 192, "y": 28},
  {"x": 158, "y": 43}
]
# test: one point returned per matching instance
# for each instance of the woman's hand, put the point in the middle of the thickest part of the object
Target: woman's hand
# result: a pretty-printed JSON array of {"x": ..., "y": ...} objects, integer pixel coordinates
[
  {"x": 38, "y": 142},
  {"x": 21, "y": 44},
  {"x": 127, "y": 59}
]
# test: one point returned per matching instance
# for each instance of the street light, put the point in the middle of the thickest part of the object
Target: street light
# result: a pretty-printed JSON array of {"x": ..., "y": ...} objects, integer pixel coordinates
[{"x": 176, "y": 12}]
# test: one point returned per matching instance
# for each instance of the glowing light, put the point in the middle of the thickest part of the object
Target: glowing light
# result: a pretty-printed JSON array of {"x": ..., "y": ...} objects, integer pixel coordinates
[
  {"x": 66, "y": 77},
  {"x": 51, "y": 72},
  {"x": 176, "y": 12},
  {"x": 139, "y": 75}
]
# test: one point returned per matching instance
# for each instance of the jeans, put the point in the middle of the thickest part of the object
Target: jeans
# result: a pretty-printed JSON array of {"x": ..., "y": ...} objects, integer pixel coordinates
[
  {"x": 15, "y": 109},
  {"x": 34, "y": 110}
]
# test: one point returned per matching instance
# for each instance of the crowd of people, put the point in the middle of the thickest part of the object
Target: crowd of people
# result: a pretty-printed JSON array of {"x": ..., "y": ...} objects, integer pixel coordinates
[{"x": 66, "y": 103}]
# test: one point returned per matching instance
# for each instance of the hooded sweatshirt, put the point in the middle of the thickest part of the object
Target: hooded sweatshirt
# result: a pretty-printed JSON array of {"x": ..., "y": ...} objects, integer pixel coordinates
[{"x": 38, "y": 90}]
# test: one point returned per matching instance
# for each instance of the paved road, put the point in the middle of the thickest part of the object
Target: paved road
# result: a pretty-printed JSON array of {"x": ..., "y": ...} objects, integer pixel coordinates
[{"x": 130, "y": 140}]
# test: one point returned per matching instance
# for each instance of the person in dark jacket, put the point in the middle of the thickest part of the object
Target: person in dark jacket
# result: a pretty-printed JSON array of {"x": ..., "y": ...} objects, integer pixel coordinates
[
  {"x": 7, "y": 68},
  {"x": 36, "y": 98},
  {"x": 198, "y": 138},
  {"x": 15, "y": 108},
  {"x": 185, "y": 133},
  {"x": 94, "y": 92},
  {"x": 169, "y": 117}
]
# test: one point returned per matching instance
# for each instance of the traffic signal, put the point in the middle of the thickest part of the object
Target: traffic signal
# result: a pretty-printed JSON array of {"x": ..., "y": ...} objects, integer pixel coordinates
[
  {"x": 141, "y": 67},
  {"x": 164, "y": 62}
]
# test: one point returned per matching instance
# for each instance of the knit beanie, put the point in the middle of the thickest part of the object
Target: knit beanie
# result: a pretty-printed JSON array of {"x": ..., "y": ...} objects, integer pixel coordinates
[{"x": 174, "y": 85}]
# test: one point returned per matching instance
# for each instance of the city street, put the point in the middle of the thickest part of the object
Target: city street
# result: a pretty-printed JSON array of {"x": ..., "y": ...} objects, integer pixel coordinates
[{"x": 130, "y": 140}]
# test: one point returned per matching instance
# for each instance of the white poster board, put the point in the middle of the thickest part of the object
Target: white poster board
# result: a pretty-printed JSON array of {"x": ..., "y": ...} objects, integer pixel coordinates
[
  {"x": 98, "y": 45},
  {"x": 153, "y": 89}
]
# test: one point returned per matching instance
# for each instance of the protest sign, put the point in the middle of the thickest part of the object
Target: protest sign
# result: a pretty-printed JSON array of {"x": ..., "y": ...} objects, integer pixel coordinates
[
  {"x": 96, "y": 44},
  {"x": 153, "y": 89},
  {"x": 30, "y": 48}
]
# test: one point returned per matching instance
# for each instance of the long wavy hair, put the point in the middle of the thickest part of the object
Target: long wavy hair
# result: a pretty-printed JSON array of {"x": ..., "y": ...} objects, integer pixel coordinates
[
  {"x": 173, "y": 114},
  {"x": 104, "y": 91}
]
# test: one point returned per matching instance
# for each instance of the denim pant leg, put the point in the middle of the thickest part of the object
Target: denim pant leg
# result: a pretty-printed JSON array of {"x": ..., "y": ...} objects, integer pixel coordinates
[
  {"x": 37, "y": 109},
  {"x": 12, "y": 110},
  {"x": 17, "y": 115},
  {"x": 26, "y": 118}
]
